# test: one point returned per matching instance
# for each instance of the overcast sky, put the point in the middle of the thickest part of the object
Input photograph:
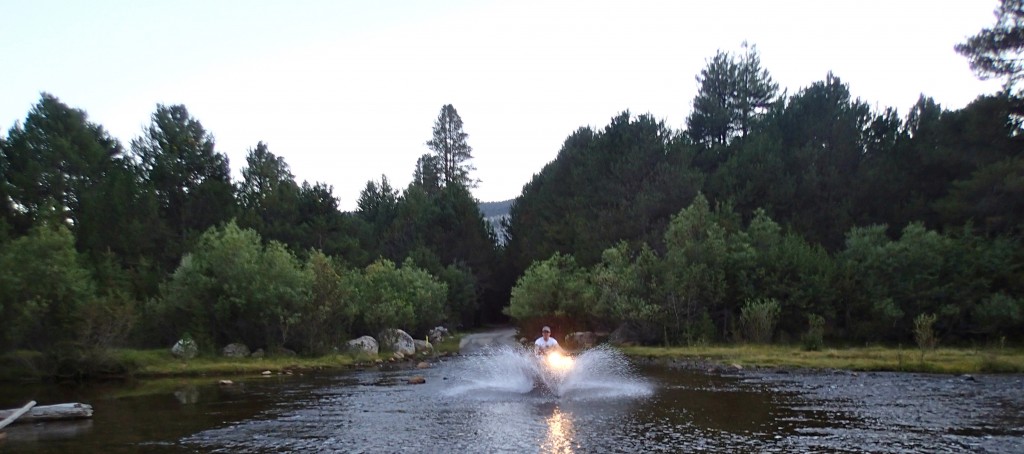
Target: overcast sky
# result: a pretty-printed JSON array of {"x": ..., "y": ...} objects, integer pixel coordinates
[{"x": 347, "y": 91}]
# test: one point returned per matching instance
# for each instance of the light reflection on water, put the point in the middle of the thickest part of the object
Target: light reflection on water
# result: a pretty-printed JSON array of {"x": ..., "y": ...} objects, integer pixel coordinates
[{"x": 560, "y": 434}]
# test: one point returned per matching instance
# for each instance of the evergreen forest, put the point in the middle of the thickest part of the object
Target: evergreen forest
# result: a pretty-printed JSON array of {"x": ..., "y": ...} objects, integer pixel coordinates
[{"x": 771, "y": 217}]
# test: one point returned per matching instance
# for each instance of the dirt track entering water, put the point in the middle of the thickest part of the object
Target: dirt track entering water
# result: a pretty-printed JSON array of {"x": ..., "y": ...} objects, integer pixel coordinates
[{"x": 477, "y": 343}]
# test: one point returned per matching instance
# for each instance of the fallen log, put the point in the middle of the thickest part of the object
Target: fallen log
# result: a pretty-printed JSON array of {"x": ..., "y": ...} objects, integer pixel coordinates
[
  {"x": 57, "y": 412},
  {"x": 17, "y": 414}
]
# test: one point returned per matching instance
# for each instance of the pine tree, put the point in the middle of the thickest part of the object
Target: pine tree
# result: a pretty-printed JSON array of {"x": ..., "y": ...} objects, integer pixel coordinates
[
  {"x": 428, "y": 173},
  {"x": 755, "y": 91},
  {"x": 449, "y": 144},
  {"x": 734, "y": 93},
  {"x": 996, "y": 51},
  {"x": 709, "y": 122},
  {"x": 268, "y": 196},
  {"x": 191, "y": 181}
]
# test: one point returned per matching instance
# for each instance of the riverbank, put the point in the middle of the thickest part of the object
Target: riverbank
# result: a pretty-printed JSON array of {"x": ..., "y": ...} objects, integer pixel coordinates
[
  {"x": 941, "y": 360},
  {"x": 148, "y": 364},
  {"x": 160, "y": 363},
  {"x": 27, "y": 366}
]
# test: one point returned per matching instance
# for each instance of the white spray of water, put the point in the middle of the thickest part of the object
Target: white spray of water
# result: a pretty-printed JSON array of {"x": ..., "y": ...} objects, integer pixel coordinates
[{"x": 597, "y": 373}]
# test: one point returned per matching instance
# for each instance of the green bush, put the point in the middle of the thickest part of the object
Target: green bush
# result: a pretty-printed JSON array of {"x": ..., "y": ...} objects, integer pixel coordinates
[
  {"x": 758, "y": 318},
  {"x": 814, "y": 338},
  {"x": 999, "y": 314},
  {"x": 553, "y": 287},
  {"x": 700, "y": 330},
  {"x": 107, "y": 321},
  {"x": 327, "y": 323},
  {"x": 620, "y": 295},
  {"x": 42, "y": 288},
  {"x": 232, "y": 288},
  {"x": 407, "y": 298},
  {"x": 700, "y": 247},
  {"x": 924, "y": 333}
]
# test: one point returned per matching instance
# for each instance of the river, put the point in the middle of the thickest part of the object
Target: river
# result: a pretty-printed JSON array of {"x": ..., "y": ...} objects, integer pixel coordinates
[{"x": 488, "y": 402}]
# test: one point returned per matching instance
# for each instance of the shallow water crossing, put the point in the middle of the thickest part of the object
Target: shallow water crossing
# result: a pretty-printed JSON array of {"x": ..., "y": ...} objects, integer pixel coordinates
[
  {"x": 491, "y": 403},
  {"x": 510, "y": 372}
]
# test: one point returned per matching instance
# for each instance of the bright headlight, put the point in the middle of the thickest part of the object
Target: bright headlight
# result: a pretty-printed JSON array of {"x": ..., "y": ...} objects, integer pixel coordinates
[{"x": 558, "y": 361}]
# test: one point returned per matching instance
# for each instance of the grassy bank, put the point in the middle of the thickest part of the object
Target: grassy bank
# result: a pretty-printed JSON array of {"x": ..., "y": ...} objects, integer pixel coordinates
[
  {"x": 36, "y": 366},
  {"x": 160, "y": 363},
  {"x": 942, "y": 360}
]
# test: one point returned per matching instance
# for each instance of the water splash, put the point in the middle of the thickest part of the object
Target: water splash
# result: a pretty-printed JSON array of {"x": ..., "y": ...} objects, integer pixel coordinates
[
  {"x": 603, "y": 372},
  {"x": 598, "y": 373}
]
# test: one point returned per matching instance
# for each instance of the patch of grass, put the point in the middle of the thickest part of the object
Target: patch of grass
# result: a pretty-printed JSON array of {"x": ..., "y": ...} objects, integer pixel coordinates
[
  {"x": 993, "y": 363},
  {"x": 941, "y": 360},
  {"x": 157, "y": 363},
  {"x": 137, "y": 359},
  {"x": 449, "y": 345}
]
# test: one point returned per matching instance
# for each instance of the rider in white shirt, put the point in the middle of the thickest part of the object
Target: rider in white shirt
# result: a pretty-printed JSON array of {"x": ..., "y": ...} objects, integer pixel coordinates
[{"x": 545, "y": 342}]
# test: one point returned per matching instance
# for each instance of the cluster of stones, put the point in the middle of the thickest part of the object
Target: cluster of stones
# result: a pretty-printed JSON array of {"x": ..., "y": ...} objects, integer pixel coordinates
[{"x": 397, "y": 341}]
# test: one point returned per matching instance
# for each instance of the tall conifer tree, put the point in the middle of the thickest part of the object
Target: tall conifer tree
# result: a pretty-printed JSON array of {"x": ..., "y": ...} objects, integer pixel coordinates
[{"x": 449, "y": 144}]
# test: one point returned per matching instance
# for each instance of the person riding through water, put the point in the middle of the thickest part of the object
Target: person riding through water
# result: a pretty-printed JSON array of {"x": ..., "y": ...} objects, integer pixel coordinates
[{"x": 545, "y": 342}]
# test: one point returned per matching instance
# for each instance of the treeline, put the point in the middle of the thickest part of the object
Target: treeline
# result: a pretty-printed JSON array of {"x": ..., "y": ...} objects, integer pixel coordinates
[
  {"x": 713, "y": 277},
  {"x": 811, "y": 211},
  {"x": 232, "y": 287},
  {"x": 106, "y": 246},
  {"x": 848, "y": 218}
]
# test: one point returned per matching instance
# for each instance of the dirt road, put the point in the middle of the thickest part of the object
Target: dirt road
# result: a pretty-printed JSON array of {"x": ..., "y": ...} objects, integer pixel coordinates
[{"x": 479, "y": 342}]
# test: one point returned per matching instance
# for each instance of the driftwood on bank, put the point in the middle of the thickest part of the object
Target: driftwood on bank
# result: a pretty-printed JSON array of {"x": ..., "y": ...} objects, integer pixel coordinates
[{"x": 57, "y": 412}]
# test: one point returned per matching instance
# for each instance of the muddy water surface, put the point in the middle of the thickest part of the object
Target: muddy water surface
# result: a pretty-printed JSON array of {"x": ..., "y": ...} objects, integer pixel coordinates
[{"x": 489, "y": 403}]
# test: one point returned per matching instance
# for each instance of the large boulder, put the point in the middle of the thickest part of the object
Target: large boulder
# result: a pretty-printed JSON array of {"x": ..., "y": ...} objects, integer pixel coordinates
[
  {"x": 422, "y": 346},
  {"x": 185, "y": 349},
  {"x": 235, "y": 350},
  {"x": 397, "y": 341},
  {"x": 624, "y": 336},
  {"x": 581, "y": 339},
  {"x": 366, "y": 345},
  {"x": 438, "y": 334}
]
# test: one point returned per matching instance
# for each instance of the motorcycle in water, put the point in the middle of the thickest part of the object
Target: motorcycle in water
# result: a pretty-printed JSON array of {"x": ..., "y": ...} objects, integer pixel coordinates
[{"x": 552, "y": 369}]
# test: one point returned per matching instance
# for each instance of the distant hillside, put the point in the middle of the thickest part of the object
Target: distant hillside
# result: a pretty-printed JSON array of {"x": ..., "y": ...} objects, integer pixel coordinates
[
  {"x": 494, "y": 212},
  {"x": 495, "y": 208}
]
